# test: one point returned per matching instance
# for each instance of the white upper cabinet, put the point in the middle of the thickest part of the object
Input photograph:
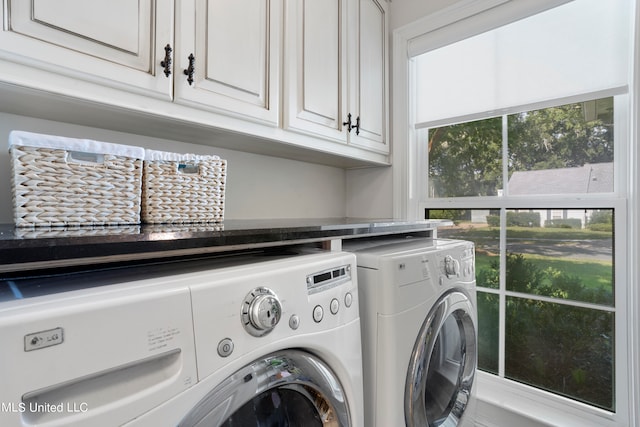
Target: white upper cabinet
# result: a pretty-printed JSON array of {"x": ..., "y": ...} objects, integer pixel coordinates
[
  {"x": 114, "y": 41},
  {"x": 230, "y": 50},
  {"x": 315, "y": 67},
  {"x": 336, "y": 82},
  {"x": 368, "y": 82},
  {"x": 302, "y": 79}
]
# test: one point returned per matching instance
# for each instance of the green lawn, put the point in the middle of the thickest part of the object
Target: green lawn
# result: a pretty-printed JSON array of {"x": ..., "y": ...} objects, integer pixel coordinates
[{"x": 593, "y": 274}]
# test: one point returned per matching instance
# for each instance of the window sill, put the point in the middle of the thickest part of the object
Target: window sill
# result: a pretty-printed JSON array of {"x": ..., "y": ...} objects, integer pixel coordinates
[{"x": 501, "y": 401}]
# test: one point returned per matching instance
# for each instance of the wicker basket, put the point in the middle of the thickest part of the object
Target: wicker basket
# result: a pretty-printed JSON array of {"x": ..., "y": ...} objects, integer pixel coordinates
[
  {"x": 60, "y": 181},
  {"x": 76, "y": 231},
  {"x": 183, "y": 188}
]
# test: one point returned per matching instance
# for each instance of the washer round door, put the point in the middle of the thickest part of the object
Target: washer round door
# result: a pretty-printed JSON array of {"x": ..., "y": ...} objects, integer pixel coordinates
[
  {"x": 288, "y": 388},
  {"x": 443, "y": 364}
]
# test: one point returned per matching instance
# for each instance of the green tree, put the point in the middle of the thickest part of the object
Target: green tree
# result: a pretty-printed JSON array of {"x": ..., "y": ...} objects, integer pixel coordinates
[
  {"x": 465, "y": 159},
  {"x": 559, "y": 137}
]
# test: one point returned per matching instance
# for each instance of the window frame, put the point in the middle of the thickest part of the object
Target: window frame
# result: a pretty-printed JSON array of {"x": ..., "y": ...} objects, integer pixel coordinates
[{"x": 409, "y": 184}]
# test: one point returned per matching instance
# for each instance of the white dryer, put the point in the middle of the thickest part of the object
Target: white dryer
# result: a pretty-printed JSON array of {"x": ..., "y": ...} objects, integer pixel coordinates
[
  {"x": 418, "y": 314},
  {"x": 255, "y": 341}
]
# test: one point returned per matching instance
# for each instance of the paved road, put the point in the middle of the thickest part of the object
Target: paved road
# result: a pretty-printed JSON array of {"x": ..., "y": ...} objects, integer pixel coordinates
[{"x": 596, "y": 250}]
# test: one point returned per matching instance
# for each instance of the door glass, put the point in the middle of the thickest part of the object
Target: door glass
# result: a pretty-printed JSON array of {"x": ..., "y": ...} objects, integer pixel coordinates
[
  {"x": 445, "y": 369},
  {"x": 278, "y": 407}
]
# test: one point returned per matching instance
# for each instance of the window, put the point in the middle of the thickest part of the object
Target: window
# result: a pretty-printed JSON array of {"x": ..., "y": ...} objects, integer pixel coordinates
[
  {"x": 521, "y": 135},
  {"x": 519, "y": 142},
  {"x": 567, "y": 149},
  {"x": 544, "y": 268},
  {"x": 556, "y": 299}
]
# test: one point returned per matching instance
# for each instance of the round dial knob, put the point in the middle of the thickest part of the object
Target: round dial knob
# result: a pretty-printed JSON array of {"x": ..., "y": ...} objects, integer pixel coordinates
[
  {"x": 261, "y": 311},
  {"x": 451, "y": 266}
]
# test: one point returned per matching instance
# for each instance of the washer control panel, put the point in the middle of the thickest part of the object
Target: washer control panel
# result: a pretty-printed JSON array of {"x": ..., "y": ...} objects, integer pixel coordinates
[
  {"x": 271, "y": 303},
  {"x": 327, "y": 279}
]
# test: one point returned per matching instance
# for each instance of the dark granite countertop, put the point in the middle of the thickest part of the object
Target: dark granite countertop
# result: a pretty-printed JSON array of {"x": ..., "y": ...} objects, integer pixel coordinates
[{"x": 24, "y": 249}]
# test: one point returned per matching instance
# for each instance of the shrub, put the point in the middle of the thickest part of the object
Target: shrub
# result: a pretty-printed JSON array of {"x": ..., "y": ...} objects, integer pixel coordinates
[
  {"x": 601, "y": 217},
  {"x": 601, "y": 227},
  {"x": 523, "y": 219},
  {"x": 563, "y": 223},
  {"x": 493, "y": 220}
]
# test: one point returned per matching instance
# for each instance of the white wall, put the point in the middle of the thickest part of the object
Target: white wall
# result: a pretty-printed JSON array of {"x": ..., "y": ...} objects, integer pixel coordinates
[
  {"x": 369, "y": 193},
  {"x": 257, "y": 186},
  {"x": 406, "y": 11}
]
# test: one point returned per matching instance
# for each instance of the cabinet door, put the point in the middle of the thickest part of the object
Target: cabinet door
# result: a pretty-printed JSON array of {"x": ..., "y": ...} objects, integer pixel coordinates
[
  {"x": 103, "y": 40},
  {"x": 236, "y": 50},
  {"x": 315, "y": 70},
  {"x": 368, "y": 77}
]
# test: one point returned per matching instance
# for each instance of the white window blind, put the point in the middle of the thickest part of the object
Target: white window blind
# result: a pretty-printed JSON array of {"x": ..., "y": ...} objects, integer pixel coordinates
[{"x": 576, "y": 48}]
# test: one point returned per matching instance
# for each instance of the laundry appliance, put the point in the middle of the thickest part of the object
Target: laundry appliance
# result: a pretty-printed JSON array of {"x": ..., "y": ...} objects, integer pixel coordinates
[
  {"x": 93, "y": 357},
  {"x": 261, "y": 341},
  {"x": 418, "y": 314},
  {"x": 277, "y": 344}
]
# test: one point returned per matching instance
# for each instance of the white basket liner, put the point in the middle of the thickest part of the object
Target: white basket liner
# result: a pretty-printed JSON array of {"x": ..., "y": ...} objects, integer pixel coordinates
[
  {"x": 30, "y": 139},
  {"x": 155, "y": 155}
]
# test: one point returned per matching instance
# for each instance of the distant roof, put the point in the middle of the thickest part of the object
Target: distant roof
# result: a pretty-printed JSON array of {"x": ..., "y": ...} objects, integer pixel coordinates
[{"x": 590, "y": 178}]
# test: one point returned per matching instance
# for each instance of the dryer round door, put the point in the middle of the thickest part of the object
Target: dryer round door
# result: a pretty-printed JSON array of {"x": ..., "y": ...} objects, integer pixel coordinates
[
  {"x": 288, "y": 388},
  {"x": 443, "y": 364}
]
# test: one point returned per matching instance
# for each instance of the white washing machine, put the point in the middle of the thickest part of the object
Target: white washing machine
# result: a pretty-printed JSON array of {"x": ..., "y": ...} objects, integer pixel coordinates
[
  {"x": 418, "y": 314},
  {"x": 269, "y": 343},
  {"x": 95, "y": 357}
]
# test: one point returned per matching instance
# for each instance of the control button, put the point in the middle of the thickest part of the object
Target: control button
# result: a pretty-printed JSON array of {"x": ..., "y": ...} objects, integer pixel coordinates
[
  {"x": 318, "y": 313},
  {"x": 334, "y": 306},
  {"x": 348, "y": 299},
  {"x": 294, "y": 322},
  {"x": 225, "y": 347},
  {"x": 260, "y": 312}
]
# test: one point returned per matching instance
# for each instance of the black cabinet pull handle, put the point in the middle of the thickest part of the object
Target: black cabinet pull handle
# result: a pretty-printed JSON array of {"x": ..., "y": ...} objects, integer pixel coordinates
[
  {"x": 189, "y": 71},
  {"x": 166, "y": 63},
  {"x": 350, "y": 126},
  {"x": 348, "y": 123}
]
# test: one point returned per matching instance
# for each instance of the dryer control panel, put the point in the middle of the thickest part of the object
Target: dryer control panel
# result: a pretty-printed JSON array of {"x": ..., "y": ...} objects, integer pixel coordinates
[{"x": 458, "y": 264}]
